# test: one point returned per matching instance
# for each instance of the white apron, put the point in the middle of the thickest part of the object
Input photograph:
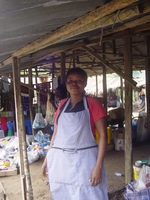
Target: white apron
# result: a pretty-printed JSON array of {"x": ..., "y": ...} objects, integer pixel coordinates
[{"x": 72, "y": 158}]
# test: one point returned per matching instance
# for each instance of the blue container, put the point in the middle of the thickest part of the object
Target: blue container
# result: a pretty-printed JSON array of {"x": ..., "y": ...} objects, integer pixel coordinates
[
  {"x": 28, "y": 126},
  {"x": 10, "y": 125}
]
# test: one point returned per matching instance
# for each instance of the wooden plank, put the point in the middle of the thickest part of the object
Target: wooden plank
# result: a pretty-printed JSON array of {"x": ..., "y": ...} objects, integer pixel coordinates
[
  {"x": 128, "y": 110},
  {"x": 64, "y": 32},
  {"x": 105, "y": 63},
  {"x": 11, "y": 171}
]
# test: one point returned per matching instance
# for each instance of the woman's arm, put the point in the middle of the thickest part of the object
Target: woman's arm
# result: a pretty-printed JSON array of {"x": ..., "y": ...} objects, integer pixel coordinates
[
  {"x": 44, "y": 166},
  {"x": 102, "y": 145}
]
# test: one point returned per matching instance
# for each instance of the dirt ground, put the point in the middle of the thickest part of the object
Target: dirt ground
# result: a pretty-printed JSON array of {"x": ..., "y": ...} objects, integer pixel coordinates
[{"x": 114, "y": 162}]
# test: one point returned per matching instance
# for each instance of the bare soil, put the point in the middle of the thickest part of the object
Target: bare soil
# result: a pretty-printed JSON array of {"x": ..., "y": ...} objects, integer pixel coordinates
[{"x": 114, "y": 162}]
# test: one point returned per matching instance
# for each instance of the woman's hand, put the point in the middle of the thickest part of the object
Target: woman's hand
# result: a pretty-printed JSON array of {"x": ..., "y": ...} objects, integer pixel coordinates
[
  {"x": 96, "y": 176},
  {"x": 44, "y": 168}
]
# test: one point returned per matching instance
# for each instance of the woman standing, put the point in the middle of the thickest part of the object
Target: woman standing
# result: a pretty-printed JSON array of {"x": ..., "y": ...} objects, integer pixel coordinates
[{"x": 74, "y": 161}]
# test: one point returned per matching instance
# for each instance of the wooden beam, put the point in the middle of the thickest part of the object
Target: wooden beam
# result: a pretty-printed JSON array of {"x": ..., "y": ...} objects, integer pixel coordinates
[
  {"x": 109, "y": 20},
  {"x": 128, "y": 111},
  {"x": 69, "y": 30},
  {"x": 44, "y": 54},
  {"x": 105, "y": 63},
  {"x": 6, "y": 62},
  {"x": 133, "y": 26}
]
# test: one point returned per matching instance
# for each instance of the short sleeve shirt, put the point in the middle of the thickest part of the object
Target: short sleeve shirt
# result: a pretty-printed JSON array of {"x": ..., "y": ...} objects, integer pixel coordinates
[{"x": 95, "y": 107}]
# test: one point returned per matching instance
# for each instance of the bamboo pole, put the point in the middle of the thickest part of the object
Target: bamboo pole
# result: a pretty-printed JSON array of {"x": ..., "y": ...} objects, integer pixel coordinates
[{"x": 128, "y": 111}]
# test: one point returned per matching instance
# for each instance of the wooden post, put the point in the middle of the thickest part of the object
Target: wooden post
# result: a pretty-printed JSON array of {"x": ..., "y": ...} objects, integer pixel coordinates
[
  {"x": 63, "y": 67},
  {"x": 128, "y": 110},
  {"x": 53, "y": 69},
  {"x": 24, "y": 76},
  {"x": 148, "y": 83},
  {"x": 13, "y": 106},
  {"x": 104, "y": 88},
  {"x": 96, "y": 84},
  {"x": 121, "y": 87},
  {"x": 31, "y": 94},
  {"x": 19, "y": 115},
  {"x": 74, "y": 60},
  {"x": 104, "y": 82},
  {"x": 27, "y": 192},
  {"x": 36, "y": 82}
]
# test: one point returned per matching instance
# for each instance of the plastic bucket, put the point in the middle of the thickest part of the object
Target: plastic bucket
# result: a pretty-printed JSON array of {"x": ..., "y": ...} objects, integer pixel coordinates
[
  {"x": 136, "y": 171},
  {"x": 108, "y": 135}
]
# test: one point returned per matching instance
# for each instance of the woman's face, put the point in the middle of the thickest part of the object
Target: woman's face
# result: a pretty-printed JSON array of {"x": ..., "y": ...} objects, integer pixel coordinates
[{"x": 75, "y": 84}]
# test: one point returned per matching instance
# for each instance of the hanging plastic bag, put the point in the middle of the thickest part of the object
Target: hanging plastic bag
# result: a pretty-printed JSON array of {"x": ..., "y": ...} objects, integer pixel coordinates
[
  {"x": 32, "y": 156},
  {"x": 143, "y": 181},
  {"x": 39, "y": 137},
  {"x": 38, "y": 121}
]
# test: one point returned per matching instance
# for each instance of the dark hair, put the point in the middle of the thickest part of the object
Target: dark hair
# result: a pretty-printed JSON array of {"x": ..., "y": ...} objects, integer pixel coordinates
[
  {"x": 62, "y": 91},
  {"x": 78, "y": 71}
]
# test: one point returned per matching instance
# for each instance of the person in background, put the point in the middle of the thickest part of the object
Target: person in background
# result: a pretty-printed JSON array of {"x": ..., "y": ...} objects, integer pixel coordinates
[
  {"x": 112, "y": 98},
  {"x": 74, "y": 161},
  {"x": 60, "y": 93}
]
